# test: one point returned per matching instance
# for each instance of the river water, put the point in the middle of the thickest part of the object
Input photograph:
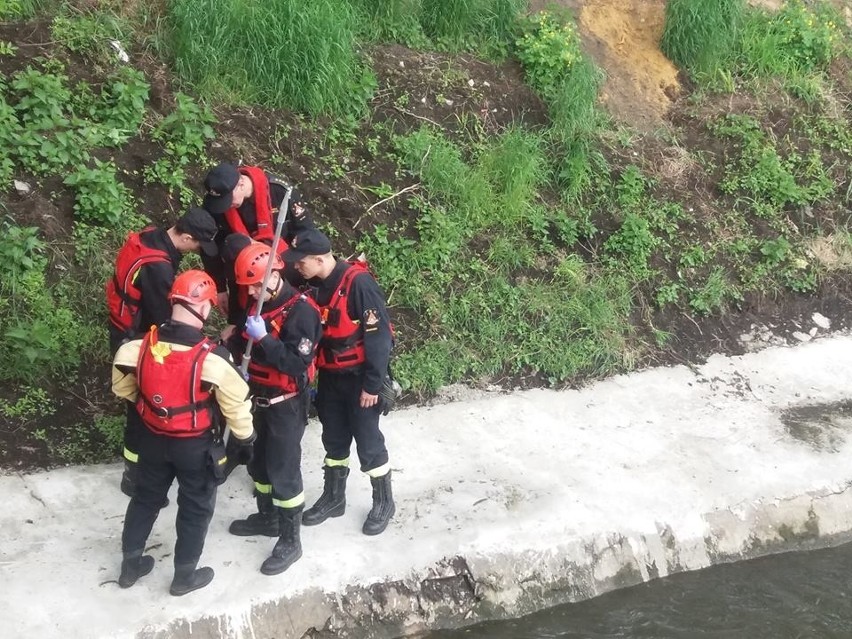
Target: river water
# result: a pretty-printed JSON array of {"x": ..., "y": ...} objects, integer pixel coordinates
[{"x": 805, "y": 595}]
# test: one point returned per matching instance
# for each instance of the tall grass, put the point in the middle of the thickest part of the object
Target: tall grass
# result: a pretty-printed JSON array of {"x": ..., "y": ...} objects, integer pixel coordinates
[
  {"x": 576, "y": 121},
  {"x": 792, "y": 42},
  {"x": 702, "y": 35},
  {"x": 284, "y": 53},
  {"x": 390, "y": 21},
  {"x": 459, "y": 24}
]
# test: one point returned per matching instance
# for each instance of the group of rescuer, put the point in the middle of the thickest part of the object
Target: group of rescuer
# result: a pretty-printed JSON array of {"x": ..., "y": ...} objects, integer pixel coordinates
[{"x": 294, "y": 312}]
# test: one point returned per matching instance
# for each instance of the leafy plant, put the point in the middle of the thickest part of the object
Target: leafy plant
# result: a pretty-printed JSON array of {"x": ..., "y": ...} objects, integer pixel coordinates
[
  {"x": 100, "y": 195},
  {"x": 34, "y": 402},
  {"x": 547, "y": 48},
  {"x": 21, "y": 253}
]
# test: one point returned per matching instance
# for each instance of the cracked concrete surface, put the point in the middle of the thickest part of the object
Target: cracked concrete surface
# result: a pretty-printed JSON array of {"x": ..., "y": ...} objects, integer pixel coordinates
[{"x": 505, "y": 504}]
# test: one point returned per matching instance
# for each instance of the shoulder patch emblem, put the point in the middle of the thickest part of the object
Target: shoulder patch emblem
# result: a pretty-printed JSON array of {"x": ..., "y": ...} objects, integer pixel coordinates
[
  {"x": 305, "y": 346},
  {"x": 160, "y": 351},
  {"x": 371, "y": 317}
]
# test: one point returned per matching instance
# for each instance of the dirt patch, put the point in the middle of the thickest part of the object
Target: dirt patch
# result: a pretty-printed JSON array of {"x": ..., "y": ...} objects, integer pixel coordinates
[{"x": 624, "y": 38}]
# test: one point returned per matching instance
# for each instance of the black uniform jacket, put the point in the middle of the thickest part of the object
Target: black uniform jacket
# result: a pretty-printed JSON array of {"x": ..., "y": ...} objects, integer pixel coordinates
[{"x": 365, "y": 299}]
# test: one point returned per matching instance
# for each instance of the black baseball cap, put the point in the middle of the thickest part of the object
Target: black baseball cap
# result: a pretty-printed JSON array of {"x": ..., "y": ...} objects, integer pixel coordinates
[
  {"x": 219, "y": 185},
  {"x": 201, "y": 226},
  {"x": 308, "y": 242}
]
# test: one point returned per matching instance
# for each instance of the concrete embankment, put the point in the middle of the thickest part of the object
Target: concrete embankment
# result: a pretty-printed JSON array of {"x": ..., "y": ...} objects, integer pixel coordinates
[{"x": 505, "y": 504}]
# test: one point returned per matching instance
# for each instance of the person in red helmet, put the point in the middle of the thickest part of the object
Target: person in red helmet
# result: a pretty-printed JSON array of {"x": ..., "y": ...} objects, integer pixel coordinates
[
  {"x": 181, "y": 385},
  {"x": 280, "y": 371},
  {"x": 137, "y": 293}
]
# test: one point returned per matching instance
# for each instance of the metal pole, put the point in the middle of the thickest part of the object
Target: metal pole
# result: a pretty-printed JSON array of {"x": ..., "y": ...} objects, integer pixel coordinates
[{"x": 282, "y": 217}]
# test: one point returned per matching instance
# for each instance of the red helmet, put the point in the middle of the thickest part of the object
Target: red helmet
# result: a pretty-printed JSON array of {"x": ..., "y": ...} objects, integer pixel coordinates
[
  {"x": 251, "y": 263},
  {"x": 193, "y": 287}
]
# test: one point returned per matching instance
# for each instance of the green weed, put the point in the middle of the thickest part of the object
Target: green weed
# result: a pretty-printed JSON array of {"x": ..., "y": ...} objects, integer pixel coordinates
[
  {"x": 21, "y": 253},
  {"x": 485, "y": 25},
  {"x": 100, "y": 196},
  {"x": 547, "y": 48},
  {"x": 702, "y": 35},
  {"x": 34, "y": 402},
  {"x": 302, "y": 55}
]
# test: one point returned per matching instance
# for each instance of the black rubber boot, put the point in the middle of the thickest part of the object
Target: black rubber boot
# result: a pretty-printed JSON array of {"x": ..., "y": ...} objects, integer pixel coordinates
[
  {"x": 263, "y": 522},
  {"x": 332, "y": 502},
  {"x": 383, "y": 506},
  {"x": 187, "y": 579},
  {"x": 288, "y": 548},
  {"x": 134, "y": 566}
]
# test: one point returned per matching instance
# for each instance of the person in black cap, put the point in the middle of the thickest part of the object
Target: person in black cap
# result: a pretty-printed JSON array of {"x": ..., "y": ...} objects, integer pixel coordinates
[
  {"x": 245, "y": 200},
  {"x": 138, "y": 293},
  {"x": 352, "y": 359}
]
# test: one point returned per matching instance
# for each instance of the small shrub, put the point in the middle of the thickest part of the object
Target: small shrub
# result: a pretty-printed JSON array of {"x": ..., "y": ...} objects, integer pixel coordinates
[
  {"x": 33, "y": 403},
  {"x": 633, "y": 242},
  {"x": 547, "y": 48},
  {"x": 100, "y": 196},
  {"x": 21, "y": 253}
]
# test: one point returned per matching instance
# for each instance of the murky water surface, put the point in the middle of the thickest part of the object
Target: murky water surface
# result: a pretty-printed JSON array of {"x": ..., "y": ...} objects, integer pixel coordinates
[{"x": 788, "y": 596}]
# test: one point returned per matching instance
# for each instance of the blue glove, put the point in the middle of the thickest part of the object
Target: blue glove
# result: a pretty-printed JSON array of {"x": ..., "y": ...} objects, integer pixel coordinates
[{"x": 256, "y": 328}]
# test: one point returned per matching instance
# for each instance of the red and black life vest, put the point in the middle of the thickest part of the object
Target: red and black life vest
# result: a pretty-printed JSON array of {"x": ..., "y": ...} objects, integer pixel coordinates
[
  {"x": 123, "y": 297},
  {"x": 342, "y": 344},
  {"x": 262, "y": 207},
  {"x": 172, "y": 400},
  {"x": 267, "y": 375}
]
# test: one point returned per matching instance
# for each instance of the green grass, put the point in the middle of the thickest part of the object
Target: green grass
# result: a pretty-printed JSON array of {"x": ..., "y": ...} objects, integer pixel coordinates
[
  {"x": 461, "y": 24},
  {"x": 716, "y": 40},
  {"x": 281, "y": 53},
  {"x": 507, "y": 309},
  {"x": 701, "y": 35}
]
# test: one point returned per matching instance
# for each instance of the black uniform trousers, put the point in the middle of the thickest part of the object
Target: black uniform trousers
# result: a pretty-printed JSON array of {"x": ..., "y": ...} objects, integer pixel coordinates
[
  {"x": 131, "y": 427},
  {"x": 277, "y": 457},
  {"x": 161, "y": 460},
  {"x": 343, "y": 419}
]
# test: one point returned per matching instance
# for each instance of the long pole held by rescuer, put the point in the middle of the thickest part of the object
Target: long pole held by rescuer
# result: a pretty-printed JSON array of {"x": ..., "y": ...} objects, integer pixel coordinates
[{"x": 279, "y": 227}]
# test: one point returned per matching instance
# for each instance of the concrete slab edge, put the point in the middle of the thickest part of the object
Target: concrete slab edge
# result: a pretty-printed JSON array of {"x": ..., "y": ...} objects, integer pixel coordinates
[{"x": 478, "y": 585}]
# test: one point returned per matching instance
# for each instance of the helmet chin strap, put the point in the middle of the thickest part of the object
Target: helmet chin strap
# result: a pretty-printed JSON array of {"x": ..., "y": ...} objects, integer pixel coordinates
[
  {"x": 191, "y": 310},
  {"x": 274, "y": 291}
]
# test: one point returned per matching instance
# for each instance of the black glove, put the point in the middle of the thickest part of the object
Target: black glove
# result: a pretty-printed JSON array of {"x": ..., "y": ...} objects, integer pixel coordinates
[
  {"x": 240, "y": 451},
  {"x": 388, "y": 394},
  {"x": 245, "y": 452}
]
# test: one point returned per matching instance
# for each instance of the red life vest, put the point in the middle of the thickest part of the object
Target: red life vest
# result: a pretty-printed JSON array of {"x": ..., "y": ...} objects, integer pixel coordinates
[
  {"x": 123, "y": 298},
  {"x": 342, "y": 344},
  {"x": 171, "y": 398},
  {"x": 267, "y": 375},
  {"x": 262, "y": 207}
]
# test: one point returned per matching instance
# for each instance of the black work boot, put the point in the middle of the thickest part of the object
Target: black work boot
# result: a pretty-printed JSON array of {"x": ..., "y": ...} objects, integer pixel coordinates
[
  {"x": 288, "y": 548},
  {"x": 383, "y": 506},
  {"x": 263, "y": 522},
  {"x": 133, "y": 566},
  {"x": 332, "y": 502},
  {"x": 187, "y": 579}
]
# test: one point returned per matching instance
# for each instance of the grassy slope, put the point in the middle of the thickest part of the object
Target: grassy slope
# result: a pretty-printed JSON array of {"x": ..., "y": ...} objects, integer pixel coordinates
[{"x": 533, "y": 252}]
